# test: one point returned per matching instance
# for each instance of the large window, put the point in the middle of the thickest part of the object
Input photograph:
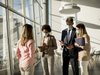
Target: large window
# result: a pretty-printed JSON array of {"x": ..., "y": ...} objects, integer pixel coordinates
[
  {"x": 36, "y": 10},
  {"x": 3, "y": 1},
  {"x": 15, "y": 23},
  {"x": 12, "y": 18},
  {"x": 16, "y": 5},
  {"x": 29, "y": 8},
  {"x": 4, "y": 54},
  {"x": 38, "y": 18}
]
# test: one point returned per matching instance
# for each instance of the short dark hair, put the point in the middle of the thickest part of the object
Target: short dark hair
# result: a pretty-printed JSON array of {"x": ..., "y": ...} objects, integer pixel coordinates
[
  {"x": 69, "y": 19},
  {"x": 46, "y": 27}
]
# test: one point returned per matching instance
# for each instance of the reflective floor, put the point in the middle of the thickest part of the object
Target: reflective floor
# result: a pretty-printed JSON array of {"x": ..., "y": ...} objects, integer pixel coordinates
[
  {"x": 94, "y": 67},
  {"x": 38, "y": 70}
]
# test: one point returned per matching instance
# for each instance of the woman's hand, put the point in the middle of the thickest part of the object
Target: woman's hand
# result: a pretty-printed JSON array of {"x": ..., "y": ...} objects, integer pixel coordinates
[
  {"x": 45, "y": 46},
  {"x": 76, "y": 44},
  {"x": 61, "y": 43}
]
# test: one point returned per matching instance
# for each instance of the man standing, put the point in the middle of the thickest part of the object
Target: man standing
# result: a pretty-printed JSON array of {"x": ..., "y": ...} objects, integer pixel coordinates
[{"x": 69, "y": 51}]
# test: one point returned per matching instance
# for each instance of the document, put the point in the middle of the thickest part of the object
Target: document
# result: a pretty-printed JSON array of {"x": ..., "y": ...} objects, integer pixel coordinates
[{"x": 80, "y": 41}]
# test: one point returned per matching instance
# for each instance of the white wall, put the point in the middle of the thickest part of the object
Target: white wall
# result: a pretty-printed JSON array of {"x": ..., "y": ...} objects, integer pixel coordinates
[{"x": 90, "y": 16}]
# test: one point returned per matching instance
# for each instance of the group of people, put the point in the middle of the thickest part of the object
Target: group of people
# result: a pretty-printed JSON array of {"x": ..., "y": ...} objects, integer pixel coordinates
[
  {"x": 76, "y": 48},
  {"x": 75, "y": 43}
]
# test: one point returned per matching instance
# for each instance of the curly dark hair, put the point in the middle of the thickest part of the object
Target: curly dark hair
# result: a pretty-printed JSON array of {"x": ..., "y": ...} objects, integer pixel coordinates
[{"x": 46, "y": 27}]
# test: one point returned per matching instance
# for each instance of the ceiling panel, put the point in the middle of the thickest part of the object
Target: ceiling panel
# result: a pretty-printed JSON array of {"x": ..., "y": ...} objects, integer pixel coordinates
[{"x": 91, "y": 3}]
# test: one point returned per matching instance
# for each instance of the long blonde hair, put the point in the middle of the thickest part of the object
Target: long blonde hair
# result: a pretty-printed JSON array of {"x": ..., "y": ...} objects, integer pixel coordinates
[
  {"x": 27, "y": 34},
  {"x": 82, "y": 29}
]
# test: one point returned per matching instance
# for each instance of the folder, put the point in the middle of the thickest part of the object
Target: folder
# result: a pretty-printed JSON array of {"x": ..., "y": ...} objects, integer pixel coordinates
[{"x": 80, "y": 41}]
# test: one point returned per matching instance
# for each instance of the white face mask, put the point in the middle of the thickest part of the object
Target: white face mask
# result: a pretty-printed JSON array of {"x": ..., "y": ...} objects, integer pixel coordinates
[
  {"x": 69, "y": 27},
  {"x": 77, "y": 31},
  {"x": 45, "y": 34}
]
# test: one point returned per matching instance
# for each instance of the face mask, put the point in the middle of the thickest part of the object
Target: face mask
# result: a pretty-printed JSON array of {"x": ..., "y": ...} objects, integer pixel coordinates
[
  {"x": 77, "y": 31},
  {"x": 45, "y": 34},
  {"x": 69, "y": 27}
]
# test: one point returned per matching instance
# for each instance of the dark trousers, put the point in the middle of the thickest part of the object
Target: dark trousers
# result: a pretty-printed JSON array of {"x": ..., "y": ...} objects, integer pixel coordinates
[{"x": 74, "y": 63}]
